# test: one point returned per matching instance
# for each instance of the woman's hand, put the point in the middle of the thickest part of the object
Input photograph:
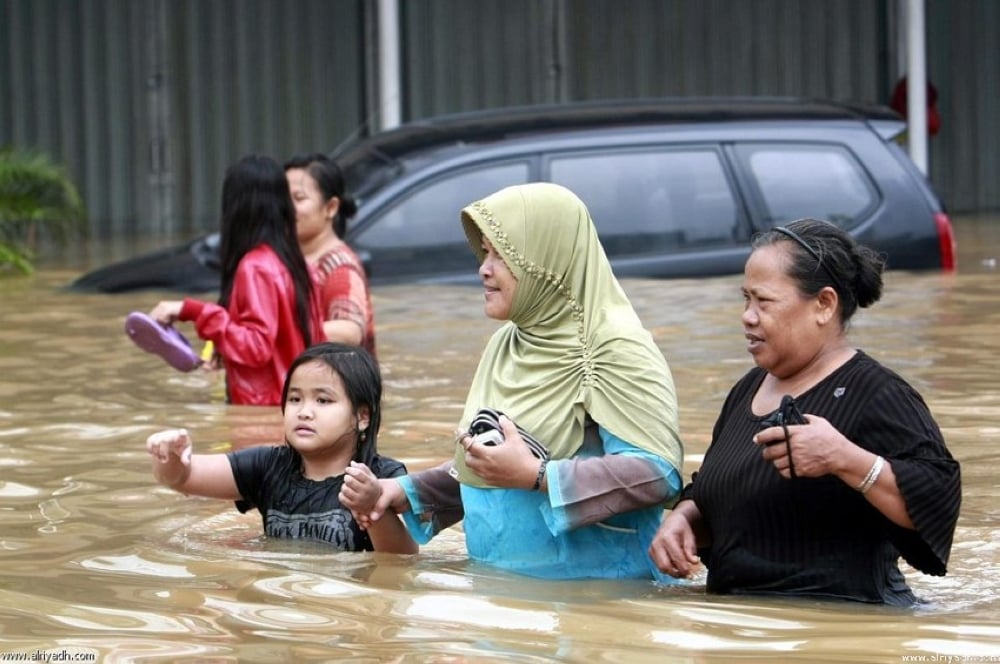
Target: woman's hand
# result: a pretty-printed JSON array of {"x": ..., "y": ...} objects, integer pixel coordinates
[
  {"x": 166, "y": 311},
  {"x": 674, "y": 549},
  {"x": 816, "y": 448},
  {"x": 362, "y": 493},
  {"x": 391, "y": 498},
  {"x": 509, "y": 464}
]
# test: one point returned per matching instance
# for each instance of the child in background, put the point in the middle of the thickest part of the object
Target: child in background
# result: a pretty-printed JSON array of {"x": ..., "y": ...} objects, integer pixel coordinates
[
  {"x": 268, "y": 311},
  {"x": 322, "y": 208},
  {"x": 331, "y": 404}
]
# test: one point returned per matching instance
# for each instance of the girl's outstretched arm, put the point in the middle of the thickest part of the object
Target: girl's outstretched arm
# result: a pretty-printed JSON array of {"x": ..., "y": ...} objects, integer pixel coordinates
[
  {"x": 175, "y": 466},
  {"x": 360, "y": 493}
]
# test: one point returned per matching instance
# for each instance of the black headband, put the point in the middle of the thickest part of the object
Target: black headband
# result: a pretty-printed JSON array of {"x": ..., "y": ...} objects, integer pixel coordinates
[{"x": 815, "y": 254}]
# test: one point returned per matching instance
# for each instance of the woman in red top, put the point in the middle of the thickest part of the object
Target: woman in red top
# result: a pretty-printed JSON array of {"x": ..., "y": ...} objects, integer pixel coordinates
[
  {"x": 268, "y": 311},
  {"x": 322, "y": 208}
]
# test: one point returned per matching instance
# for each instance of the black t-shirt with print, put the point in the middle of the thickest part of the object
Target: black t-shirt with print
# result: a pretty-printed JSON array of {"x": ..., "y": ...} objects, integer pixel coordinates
[{"x": 293, "y": 507}]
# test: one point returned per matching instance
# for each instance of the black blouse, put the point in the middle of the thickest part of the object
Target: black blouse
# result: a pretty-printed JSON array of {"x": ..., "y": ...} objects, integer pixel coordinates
[{"x": 818, "y": 536}]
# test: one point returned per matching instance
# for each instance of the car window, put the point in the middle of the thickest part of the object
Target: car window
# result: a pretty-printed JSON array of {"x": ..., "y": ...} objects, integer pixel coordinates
[
  {"x": 819, "y": 180},
  {"x": 430, "y": 214},
  {"x": 422, "y": 234},
  {"x": 646, "y": 201}
]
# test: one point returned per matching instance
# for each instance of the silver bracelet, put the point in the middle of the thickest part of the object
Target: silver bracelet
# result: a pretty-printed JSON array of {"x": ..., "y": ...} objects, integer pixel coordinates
[{"x": 872, "y": 475}]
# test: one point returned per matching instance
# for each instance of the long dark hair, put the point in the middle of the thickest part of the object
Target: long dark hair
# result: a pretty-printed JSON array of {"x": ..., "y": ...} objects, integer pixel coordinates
[
  {"x": 330, "y": 179},
  {"x": 257, "y": 209},
  {"x": 362, "y": 380}
]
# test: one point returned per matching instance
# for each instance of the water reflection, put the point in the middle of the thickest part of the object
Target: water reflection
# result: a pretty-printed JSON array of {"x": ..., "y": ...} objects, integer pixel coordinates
[{"x": 97, "y": 558}]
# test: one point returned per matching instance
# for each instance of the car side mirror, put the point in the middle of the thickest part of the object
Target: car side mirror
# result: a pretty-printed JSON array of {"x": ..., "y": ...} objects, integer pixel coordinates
[{"x": 206, "y": 251}]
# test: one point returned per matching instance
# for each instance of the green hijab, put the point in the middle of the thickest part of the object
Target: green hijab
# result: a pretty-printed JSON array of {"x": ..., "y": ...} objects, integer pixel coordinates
[{"x": 573, "y": 345}]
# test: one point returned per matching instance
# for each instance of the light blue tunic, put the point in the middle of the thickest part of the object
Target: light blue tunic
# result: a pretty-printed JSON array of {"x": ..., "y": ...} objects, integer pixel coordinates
[{"x": 533, "y": 533}]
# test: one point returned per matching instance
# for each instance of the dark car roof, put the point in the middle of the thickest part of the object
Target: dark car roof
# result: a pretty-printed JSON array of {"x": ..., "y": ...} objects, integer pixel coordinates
[
  {"x": 380, "y": 169},
  {"x": 505, "y": 123}
]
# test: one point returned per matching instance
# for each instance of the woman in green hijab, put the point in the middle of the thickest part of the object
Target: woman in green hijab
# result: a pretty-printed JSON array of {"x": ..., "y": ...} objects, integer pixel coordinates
[{"x": 575, "y": 373}]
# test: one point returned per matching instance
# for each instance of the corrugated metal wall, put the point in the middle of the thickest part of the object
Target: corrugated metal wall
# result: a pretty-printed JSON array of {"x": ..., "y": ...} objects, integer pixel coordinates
[
  {"x": 69, "y": 89},
  {"x": 718, "y": 47},
  {"x": 963, "y": 62},
  {"x": 147, "y": 101},
  {"x": 460, "y": 55},
  {"x": 464, "y": 55}
]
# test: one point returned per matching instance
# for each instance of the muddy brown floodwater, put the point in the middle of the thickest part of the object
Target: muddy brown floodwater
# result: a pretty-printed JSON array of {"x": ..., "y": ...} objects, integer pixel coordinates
[{"x": 98, "y": 561}]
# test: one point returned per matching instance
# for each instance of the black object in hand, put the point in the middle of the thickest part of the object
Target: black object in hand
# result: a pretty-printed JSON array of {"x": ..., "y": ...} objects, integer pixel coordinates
[
  {"x": 485, "y": 429},
  {"x": 787, "y": 414}
]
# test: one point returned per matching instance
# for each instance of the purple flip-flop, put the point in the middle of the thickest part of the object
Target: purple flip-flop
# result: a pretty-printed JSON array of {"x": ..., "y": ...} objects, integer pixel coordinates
[{"x": 165, "y": 341}]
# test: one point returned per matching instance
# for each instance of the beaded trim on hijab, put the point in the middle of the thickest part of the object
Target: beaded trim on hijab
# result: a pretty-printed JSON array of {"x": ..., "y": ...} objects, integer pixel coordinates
[{"x": 530, "y": 268}]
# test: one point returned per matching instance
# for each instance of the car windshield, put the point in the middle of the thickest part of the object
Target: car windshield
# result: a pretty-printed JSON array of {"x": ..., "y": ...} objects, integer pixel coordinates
[{"x": 367, "y": 169}]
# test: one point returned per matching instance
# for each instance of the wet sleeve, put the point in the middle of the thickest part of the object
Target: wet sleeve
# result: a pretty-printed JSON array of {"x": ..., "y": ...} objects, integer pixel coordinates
[
  {"x": 929, "y": 479},
  {"x": 586, "y": 490},
  {"x": 435, "y": 502},
  {"x": 248, "y": 466},
  {"x": 384, "y": 467},
  {"x": 345, "y": 293},
  {"x": 247, "y": 332}
]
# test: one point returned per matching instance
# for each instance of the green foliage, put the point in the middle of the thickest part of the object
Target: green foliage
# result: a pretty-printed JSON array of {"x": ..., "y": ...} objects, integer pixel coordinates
[{"x": 35, "y": 195}]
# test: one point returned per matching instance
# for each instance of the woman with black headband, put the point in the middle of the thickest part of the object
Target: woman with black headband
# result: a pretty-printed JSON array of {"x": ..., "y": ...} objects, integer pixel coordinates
[{"x": 824, "y": 466}]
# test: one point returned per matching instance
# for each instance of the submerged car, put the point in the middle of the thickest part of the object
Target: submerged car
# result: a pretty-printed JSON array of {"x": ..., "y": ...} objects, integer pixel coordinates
[{"x": 676, "y": 187}]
